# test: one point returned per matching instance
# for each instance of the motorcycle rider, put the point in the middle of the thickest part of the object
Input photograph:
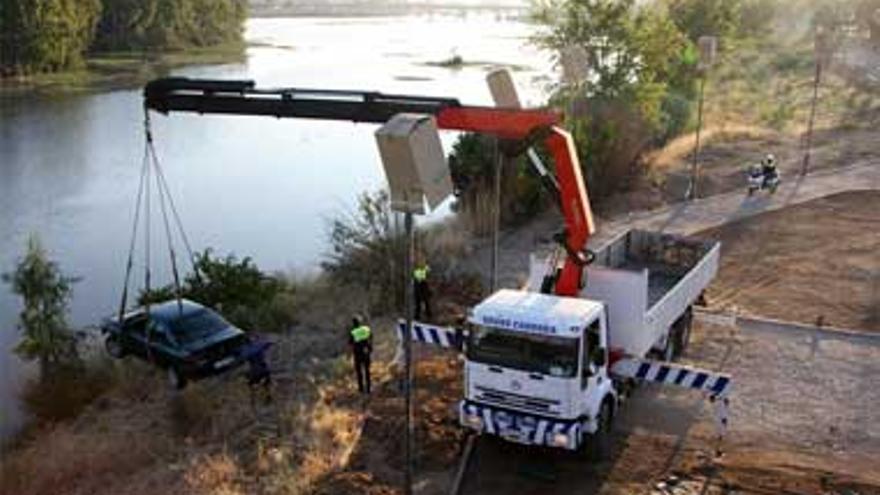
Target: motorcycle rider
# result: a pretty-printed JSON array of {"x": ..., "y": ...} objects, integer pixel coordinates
[{"x": 768, "y": 170}]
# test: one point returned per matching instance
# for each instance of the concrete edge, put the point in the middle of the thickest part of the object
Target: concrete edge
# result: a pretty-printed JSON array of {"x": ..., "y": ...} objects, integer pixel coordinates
[{"x": 770, "y": 325}]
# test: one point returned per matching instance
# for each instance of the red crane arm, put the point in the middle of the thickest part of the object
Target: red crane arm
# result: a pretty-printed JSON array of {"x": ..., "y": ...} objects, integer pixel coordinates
[
  {"x": 575, "y": 203},
  {"x": 243, "y": 98}
]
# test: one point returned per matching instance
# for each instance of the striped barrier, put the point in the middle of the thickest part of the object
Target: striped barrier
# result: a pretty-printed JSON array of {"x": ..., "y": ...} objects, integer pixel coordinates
[
  {"x": 445, "y": 337},
  {"x": 520, "y": 427},
  {"x": 716, "y": 384}
]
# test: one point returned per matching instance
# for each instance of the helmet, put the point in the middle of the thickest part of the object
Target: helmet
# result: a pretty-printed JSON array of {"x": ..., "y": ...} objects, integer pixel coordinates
[
  {"x": 770, "y": 159},
  {"x": 356, "y": 320}
]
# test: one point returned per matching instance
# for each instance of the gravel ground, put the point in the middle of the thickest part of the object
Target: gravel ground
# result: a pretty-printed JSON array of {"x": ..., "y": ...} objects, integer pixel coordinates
[{"x": 803, "y": 420}]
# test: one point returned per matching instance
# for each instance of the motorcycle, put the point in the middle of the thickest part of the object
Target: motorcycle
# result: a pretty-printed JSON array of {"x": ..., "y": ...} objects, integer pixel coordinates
[
  {"x": 756, "y": 181},
  {"x": 759, "y": 180}
]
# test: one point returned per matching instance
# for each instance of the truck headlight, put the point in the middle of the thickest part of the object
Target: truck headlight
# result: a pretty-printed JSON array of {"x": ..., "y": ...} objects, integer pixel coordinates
[
  {"x": 559, "y": 440},
  {"x": 473, "y": 421}
]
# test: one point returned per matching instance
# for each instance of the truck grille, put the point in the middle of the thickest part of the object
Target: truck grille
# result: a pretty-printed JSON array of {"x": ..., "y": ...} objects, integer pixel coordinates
[{"x": 523, "y": 402}]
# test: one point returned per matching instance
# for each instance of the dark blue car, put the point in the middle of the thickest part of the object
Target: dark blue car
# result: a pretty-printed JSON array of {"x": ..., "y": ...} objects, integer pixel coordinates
[{"x": 187, "y": 339}]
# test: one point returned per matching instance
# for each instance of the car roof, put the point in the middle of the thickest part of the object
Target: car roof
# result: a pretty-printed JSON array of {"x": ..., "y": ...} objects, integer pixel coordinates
[{"x": 175, "y": 309}]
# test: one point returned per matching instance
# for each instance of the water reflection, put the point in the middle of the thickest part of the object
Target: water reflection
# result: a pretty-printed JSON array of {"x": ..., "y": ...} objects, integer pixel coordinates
[{"x": 253, "y": 186}]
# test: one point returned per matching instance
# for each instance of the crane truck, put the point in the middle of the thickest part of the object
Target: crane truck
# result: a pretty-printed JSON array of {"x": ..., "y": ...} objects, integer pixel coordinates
[{"x": 551, "y": 363}]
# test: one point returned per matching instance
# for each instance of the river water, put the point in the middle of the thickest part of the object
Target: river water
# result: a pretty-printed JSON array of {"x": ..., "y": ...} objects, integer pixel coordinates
[{"x": 260, "y": 187}]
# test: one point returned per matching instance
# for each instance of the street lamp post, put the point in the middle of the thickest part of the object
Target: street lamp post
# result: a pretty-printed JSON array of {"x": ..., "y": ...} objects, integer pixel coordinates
[
  {"x": 821, "y": 52},
  {"x": 417, "y": 173},
  {"x": 708, "y": 47}
]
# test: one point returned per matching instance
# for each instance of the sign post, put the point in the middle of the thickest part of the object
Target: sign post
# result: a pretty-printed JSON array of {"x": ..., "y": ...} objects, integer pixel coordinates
[
  {"x": 821, "y": 53},
  {"x": 417, "y": 172},
  {"x": 708, "y": 46}
]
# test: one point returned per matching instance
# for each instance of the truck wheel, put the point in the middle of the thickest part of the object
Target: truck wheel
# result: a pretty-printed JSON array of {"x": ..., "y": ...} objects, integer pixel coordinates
[
  {"x": 670, "y": 352},
  {"x": 683, "y": 332},
  {"x": 176, "y": 378},
  {"x": 114, "y": 347},
  {"x": 600, "y": 444}
]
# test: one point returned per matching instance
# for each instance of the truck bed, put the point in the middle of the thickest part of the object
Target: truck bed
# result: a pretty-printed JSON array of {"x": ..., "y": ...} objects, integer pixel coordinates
[
  {"x": 648, "y": 280},
  {"x": 666, "y": 258},
  {"x": 660, "y": 281}
]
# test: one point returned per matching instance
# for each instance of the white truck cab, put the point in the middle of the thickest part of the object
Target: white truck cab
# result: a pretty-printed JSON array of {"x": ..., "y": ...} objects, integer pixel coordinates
[{"x": 536, "y": 368}]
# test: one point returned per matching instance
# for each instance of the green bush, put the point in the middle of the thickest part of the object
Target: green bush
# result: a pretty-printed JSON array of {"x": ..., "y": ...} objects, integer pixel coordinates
[
  {"x": 676, "y": 115},
  {"x": 45, "y": 293},
  {"x": 238, "y": 289},
  {"x": 365, "y": 252},
  {"x": 472, "y": 164}
]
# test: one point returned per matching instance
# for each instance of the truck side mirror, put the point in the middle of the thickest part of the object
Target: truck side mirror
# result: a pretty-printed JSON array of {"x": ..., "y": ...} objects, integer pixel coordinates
[{"x": 599, "y": 356}]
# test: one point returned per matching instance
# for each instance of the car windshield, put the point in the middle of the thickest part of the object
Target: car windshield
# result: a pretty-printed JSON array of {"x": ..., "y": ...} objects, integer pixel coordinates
[
  {"x": 196, "y": 326},
  {"x": 545, "y": 354}
]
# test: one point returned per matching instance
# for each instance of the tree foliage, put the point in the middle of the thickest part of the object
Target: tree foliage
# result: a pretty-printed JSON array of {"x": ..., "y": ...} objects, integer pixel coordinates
[
  {"x": 639, "y": 87},
  {"x": 53, "y": 35},
  {"x": 45, "y": 35},
  {"x": 169, "y": 24},
  {"x": 472, "y": 164},
  {"x": 45, "y": 292},
  {"x": 366, "y": 249},
  {"x": 235, "y": 287},
  {"x": 697, "y": 18}
]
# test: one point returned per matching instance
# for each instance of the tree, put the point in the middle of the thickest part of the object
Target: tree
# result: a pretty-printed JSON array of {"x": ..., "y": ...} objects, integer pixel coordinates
[
  {"x": 707, "y": 17},
  {"x": 45, "y": 293},
  {"x": 639, "y": 88},
  {"x": 46, "y": 35},
  {"x": 169, "y": 24},
  {"x": 472, "y": 165},
  {"x": 365, "y": 251}
]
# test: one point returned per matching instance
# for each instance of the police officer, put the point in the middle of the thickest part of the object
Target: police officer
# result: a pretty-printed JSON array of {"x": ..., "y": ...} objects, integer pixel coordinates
[
  {"x": 422, "y": 290},
  {"x": 361, "y": 341}
]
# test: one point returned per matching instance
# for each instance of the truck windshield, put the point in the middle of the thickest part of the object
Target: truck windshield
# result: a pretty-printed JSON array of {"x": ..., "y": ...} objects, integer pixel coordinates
[{"x": 545, "y": 354}]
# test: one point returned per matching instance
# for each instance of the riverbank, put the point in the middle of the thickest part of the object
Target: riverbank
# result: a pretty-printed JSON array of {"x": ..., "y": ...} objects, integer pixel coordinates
[
  {"x": 349, "y": 8},
  {"x": 121, "y": 70}
]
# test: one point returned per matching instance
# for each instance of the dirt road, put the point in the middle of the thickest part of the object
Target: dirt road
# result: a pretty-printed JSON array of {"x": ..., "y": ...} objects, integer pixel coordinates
[
  {"x": 682, "y": 218},
  {"x": 804, "y": 417},
  {"x": 816, "y": 263},
  {"x": 803, "y": 420}
]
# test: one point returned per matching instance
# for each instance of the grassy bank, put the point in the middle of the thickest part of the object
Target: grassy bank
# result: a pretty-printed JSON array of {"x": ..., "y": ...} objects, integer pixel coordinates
[{"x": 114, "y": 70}]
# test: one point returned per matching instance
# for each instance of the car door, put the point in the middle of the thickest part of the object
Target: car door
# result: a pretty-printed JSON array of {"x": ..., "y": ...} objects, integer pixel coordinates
[
  {"x": 134, "y": 336},
  {"x": 162, "y": 344}
]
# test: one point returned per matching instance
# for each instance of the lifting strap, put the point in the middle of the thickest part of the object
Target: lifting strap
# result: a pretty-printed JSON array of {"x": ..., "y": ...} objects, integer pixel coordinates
[{"x": 150, "y": 169}]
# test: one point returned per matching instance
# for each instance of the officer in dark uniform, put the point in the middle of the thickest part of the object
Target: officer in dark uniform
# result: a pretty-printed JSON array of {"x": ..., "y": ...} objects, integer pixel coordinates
[
  {"x": 422, "y": 290},
  {"x": 360, "y": 339}
]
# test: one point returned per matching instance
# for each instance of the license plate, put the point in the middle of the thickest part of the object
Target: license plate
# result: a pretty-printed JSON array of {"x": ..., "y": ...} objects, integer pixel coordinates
[
  {"x": 514, "y": 436},
  {"x": 223, "y": 363}
]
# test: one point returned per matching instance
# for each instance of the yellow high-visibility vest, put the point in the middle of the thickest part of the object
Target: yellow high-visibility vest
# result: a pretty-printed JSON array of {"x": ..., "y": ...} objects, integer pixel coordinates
[
  {"x": 420, "y": 274},
  {"x": 360, "y": 334}
]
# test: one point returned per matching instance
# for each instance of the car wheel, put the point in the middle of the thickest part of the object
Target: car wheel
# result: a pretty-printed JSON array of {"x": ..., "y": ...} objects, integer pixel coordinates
[
  {"x": 600, "y": 444},
  {"x": 176, "y": 378},
  {"x": 114, "y": 347}
]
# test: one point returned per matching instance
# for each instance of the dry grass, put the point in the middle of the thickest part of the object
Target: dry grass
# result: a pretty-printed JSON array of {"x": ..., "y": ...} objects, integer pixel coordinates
[
  {"x": 142, "y": 438},
  {"x": 671, "y": 156}
]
